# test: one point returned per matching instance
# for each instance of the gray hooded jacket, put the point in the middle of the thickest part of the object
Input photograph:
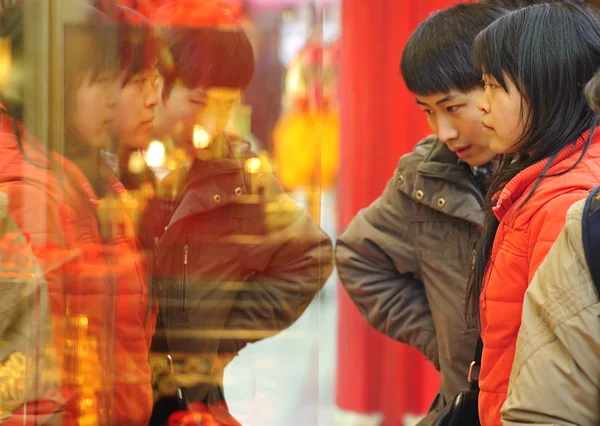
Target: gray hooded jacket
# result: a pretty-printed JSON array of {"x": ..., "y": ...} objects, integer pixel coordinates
[{"x": 405, "y": 261}]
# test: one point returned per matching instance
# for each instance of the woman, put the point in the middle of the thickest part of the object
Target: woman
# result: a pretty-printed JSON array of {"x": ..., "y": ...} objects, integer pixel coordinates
[
  {"x": 137, "y": 47},
  {"x": 535, "y": 63},
  {"x": 558, "y": 338},
  {"x": 98, "y": 296},
  {"x": 129, "y": 333}
]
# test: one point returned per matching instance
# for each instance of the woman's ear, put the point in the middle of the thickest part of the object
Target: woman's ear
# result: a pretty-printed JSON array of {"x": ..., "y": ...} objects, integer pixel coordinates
[{"x": 592, "y": 92}]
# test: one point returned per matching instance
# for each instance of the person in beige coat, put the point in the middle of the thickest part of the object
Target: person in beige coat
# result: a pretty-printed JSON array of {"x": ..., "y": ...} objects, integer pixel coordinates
[{"x": 555, "y": 378}]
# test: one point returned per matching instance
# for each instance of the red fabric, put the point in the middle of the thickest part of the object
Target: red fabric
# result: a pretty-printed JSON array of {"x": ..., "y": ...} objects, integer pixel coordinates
[
  {"x": 199, "y": 414},
  {"x": 522, "y": 241},
  {"x": 85, "y": 276},
  {"x": 198, "y": 13},
  {"x": 380, "y": 121}
]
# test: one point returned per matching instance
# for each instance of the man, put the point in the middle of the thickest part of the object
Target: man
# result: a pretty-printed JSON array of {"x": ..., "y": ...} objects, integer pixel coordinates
[
  {"x": 405, "y": 260},
  {"x": 236, "y": 260}
]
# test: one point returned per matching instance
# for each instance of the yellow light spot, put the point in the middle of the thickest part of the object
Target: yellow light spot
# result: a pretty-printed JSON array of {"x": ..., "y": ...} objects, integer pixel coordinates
[
  {"x": 5, "y": 60},
  {"x": 136, "y": 162},
  {"x": 172, "y": 164},
  {"x": 253, "y": 165},
  {"x": 201, "y": 137},
  {"x": 155, "y": 156}
]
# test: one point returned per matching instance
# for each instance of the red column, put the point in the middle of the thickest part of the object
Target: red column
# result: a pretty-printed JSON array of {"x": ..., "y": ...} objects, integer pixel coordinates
[{"x": 379, "y": 122}]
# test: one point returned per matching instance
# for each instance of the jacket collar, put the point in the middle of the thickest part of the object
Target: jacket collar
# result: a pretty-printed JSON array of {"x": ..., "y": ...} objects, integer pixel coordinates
[
  {"x": 518, "y": 185},
  {"x": 433, "y": 175},
  {"x": 441, "y": 163}
]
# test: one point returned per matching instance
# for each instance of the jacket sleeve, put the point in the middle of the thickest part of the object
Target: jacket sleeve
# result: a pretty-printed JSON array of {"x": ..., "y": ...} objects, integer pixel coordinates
[
  {"x": 378, "y": 266},
  {"x": 25, "y": 321},
  {"x": 26, "y": 203},
  {"x": 288, "y": 264},
  {"x": 555, "y": 378}
]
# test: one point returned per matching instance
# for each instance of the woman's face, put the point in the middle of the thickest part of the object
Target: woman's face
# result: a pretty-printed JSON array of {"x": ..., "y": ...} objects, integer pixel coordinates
[
  {"x": 135, "y": 109},
  {"x": 93, "y": 112},
  {"x": 505, "y": 114}
]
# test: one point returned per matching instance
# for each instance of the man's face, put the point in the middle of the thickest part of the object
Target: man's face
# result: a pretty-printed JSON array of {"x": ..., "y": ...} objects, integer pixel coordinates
[
  {"x": 187, "y": 111},
  {"x": 456, "y": 120}
]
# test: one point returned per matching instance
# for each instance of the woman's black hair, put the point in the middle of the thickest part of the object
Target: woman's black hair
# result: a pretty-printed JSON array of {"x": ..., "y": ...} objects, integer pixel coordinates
[
  {"x": 137, "y": 44},
  {"x": 549, "y": 52}
]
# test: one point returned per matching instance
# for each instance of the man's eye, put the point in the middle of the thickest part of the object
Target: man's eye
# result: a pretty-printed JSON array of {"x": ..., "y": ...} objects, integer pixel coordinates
[{"x": 453, "y": 108}]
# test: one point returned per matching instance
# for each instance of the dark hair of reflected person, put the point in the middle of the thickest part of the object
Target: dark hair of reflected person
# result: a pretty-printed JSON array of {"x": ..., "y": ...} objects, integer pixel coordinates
[{"x": 206, "y": 57}]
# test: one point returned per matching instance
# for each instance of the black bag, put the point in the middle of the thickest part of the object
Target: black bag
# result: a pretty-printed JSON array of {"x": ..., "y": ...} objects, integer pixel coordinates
[
  {"x": 463, "y": 410},
  {"x": 591, "y": 234}
]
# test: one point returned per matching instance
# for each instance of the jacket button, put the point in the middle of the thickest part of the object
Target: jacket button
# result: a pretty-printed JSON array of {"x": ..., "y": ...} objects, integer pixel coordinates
[
  {"x": 441, "y": 202},
  {"x": 400, "y": 179},
  {"x": 238, "y": 191},
  {"x": 419, "y": 195},
  {"x": 217, "y": 198}
]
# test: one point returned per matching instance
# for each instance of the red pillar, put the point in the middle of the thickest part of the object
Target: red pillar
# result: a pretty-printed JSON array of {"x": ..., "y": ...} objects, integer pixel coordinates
[{"x": 379, "y": 122}]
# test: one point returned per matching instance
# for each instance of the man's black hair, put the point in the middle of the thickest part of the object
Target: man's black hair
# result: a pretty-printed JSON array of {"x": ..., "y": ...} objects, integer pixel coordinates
[{"x": 439, "y": 54}]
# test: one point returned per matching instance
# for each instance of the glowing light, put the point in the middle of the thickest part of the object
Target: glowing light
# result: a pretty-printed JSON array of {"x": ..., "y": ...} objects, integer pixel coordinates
[
  {"x": 253, "y": 165},
  {"x": 155, "y": 156},
  {"x": 201, "y": 137},
  {"x": 136, "y": 162},
  {"x": 5, "y": 60}
]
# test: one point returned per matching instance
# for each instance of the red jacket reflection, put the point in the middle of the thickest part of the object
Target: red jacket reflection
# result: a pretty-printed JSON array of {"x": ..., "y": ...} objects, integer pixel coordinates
[{"x": 101, "y": 280}]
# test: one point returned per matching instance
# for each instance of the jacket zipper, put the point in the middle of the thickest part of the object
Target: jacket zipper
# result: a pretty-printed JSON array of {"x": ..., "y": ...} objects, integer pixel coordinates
[{"x": 184, "y": 284}]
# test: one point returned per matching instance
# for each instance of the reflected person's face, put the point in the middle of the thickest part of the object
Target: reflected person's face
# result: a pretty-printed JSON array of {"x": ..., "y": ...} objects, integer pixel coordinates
[
  {"x": 135, "y": 109},
  {"x": 93, "y": 111},
  {"x": 185, "y": 108}
]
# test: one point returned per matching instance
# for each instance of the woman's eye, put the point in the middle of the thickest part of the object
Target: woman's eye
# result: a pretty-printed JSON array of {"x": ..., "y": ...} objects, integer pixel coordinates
[{"x": 489, "y": 84}]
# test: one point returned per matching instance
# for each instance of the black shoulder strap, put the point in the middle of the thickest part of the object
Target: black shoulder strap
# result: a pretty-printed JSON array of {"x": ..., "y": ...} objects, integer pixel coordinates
[{"x": 591, "y": 234}]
